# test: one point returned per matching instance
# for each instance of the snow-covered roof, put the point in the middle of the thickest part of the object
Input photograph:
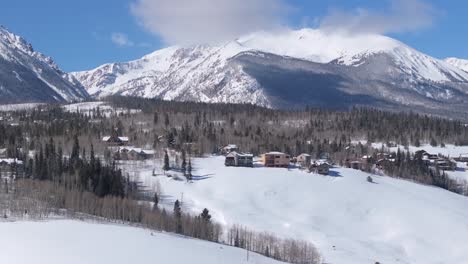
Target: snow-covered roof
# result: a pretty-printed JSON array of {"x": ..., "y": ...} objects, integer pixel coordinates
[
  {"x": 235, "y": 153},
  {"x": 138, "y": 150},
  {"x": 106, "y": 138},
  {"x": 230, "y": 146},
  {"x": 11, "y": 161},
  {"x": 321, "y": 162},
  {"x": 275, "y": 153}
]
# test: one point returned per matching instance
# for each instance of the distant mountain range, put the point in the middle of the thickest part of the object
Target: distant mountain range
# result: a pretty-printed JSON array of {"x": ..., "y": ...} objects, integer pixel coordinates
[
  {"x": 288, "y": 69},
  {"x": 29, "y": 76},
  {"x": 292, "y": 69}
]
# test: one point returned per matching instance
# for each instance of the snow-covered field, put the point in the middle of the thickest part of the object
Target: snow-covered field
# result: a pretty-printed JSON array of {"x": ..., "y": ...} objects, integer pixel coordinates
[
  {"x": 350, "y": 220},
  {"x": 76, "y": 242},
  {"x": 104, "y": 108},
  {"x": 18, "y": 107}
]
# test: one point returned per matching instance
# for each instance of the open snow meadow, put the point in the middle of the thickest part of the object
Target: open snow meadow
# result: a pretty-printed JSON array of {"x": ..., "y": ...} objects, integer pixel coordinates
[
  {"x": 350, "y": 220},
  {"x": 76, "y": 242}
]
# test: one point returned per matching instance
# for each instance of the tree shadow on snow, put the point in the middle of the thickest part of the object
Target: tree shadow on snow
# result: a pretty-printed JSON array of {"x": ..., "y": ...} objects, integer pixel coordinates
[
  {"x": 201, "y": 177},
  {"x": 334, "y": 174}
]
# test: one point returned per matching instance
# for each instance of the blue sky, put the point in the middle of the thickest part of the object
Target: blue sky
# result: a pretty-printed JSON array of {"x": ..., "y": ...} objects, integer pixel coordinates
[{"x": 84, "y": 34}]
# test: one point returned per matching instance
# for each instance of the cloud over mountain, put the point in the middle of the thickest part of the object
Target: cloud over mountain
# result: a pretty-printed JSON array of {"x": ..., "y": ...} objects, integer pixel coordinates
[
  {"x": 399, "y": 17},
  {"x": 207, "y": 21}
]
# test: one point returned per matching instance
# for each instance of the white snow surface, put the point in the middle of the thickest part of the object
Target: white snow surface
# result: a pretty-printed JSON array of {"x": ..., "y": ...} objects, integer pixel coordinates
[
  {"x": 91, "y": 107},
  {"x": 19, "y": 107},
  {"x": 459, "y": 63},
  {"x": 349, "y": 219},
  {"x": 77, "y": 242},
  {"x": 195, "y": 71}
]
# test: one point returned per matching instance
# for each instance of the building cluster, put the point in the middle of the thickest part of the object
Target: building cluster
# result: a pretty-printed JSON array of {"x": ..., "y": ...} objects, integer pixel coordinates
[
  {"x": 381, "y": 160},
  {"x": 436, "y": 161},
  {"x": 274, "y": 159},
  {"x": 132, "y": 153},
  {"x": 120, "y": 150}
]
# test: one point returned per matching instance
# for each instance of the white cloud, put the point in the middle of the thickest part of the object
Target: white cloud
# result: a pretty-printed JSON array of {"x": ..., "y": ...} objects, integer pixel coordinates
[
  {"x": 401, "y": 16},
  {"x": 207, "y": 21},
  {"x": 121, "y": 39}
]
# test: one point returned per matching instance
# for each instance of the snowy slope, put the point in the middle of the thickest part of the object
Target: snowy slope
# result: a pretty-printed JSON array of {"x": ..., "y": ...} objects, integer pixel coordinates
[
  {"x": 75, "y": 242},
  {"x": 370, "y": 67},
  {"x": 324, "y": 47},
  {"x": 29, "y": 76},
  {"x": 350, "y": 220},
  {"x": 459, "y": 63}
]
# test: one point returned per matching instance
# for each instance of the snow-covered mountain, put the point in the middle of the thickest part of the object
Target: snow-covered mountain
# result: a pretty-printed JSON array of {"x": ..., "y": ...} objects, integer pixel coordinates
[
  {"x": 29, "y": 76},
  {"x": 291, "y": 69},
  {"x": 459, "y": 63}
]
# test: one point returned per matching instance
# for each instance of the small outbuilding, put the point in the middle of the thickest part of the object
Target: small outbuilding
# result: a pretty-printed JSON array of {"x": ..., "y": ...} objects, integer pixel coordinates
[
  {"x": 304, "y": 160},
  {"x": 320, "y": 167}
]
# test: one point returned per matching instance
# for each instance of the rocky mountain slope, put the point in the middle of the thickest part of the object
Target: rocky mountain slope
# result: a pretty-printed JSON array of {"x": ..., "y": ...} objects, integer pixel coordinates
[
  {"x": 292, "y": 69},
  {"x": 29, "y": 76}
]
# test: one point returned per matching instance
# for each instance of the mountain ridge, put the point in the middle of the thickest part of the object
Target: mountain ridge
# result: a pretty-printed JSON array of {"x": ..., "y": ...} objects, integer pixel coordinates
[
  {"x": 377, "y": 68},
  {"x": 27, "y": 75}
]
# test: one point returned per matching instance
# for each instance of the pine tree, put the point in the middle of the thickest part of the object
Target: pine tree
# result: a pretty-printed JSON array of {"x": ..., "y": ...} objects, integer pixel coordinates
[
  {"x": 189, "y": 170},
  {"x": 166, "y": 120},
  {"x": 205, "y": 215},
  {"x": 166, "y": 166},
  {"x": 183, "y": 166},
  {"x": 156, "y": 201},
  {"x": 75, "y": 154},
  {"x": 155, "y": 118},
  {"x": 178, "y": 217}
]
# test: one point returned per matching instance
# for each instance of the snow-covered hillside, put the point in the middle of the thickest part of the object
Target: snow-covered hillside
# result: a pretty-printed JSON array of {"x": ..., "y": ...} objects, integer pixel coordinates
[
  {"x": 384, "y": 68},
  {"x": 76, "y": 242},
  {"x": 349, "y": 219},
  {"x": 29, "y": 76},
  {"x": 459, "y": 63}
]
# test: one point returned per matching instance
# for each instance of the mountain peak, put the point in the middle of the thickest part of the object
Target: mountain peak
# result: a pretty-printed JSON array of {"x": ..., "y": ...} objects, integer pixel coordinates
[{"x": 459, "y": 63}]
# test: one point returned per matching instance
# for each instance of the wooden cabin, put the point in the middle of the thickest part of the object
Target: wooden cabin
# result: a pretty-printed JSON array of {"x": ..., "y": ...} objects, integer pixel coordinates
[
  {"x": 275, "y": 160},
  {"x": 235, "y": 159},
  {"x": 115, "y": 140},
  {"x": 445, "y": 164},
  {"x": 229, "y": 148},
  {"x": 320, "y": 167}
]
